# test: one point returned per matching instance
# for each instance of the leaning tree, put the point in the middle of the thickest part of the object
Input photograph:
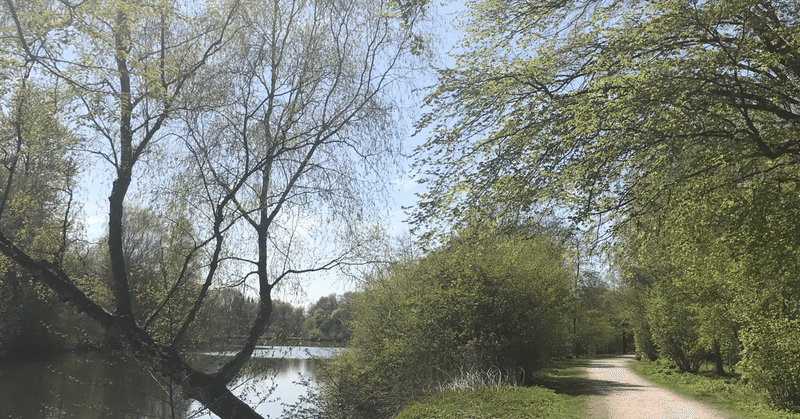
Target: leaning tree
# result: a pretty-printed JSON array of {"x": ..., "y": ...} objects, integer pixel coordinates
[{"x": 264, "y": 123}]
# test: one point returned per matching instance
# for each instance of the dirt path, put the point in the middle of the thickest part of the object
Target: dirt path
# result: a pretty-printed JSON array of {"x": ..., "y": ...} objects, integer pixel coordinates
[{"x": 618, "y": 393}]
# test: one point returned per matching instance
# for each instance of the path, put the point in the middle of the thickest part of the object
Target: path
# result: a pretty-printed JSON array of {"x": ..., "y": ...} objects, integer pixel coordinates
[{"x": 618, "y": 393}]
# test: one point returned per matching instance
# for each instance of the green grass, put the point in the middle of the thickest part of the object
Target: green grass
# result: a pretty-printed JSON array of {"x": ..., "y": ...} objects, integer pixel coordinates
[
  {"x": 727, "y": 393},
  {"x": 561, "y": 400},
  {"x": 505, "y": 402},
  {"x": 566, "y": 377}
]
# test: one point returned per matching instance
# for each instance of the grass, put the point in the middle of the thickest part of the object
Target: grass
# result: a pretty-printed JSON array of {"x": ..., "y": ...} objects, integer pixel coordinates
[
  {"x": 566, "y": 377},
  {"x": 561, "y": 393},
  {"x": 557, "y": 395},
  {"x": 727, "y": 393}
]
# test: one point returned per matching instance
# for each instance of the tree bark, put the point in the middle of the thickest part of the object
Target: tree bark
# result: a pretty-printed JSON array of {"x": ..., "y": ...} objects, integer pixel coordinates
[
  {"x": 624, "y": 343},
  {"x": 214, "y": 395},
  {"x": 718, "y": 359}
]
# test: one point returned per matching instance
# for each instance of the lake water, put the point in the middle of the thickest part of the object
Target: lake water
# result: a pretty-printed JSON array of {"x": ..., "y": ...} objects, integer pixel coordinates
[{"x": 92, "y": 386}]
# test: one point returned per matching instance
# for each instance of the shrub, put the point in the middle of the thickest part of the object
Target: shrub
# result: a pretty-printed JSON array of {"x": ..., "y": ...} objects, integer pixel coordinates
[
  {"x": 674, "y": 327},
  {"x": 485, "y": 302},
  {"x": 771, "y": 357}
]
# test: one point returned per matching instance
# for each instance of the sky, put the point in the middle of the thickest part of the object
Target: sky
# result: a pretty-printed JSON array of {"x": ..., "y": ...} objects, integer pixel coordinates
[
  {"x": 404, "y": 189},
  {"x": 95, "y": 187}
]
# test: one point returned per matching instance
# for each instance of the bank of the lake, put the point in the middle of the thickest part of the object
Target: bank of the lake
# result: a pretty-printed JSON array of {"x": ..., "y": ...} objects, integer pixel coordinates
[{"x": 554, "y": 397}]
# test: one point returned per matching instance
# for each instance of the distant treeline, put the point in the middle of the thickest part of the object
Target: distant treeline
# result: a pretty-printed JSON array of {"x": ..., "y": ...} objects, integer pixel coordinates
[
  {"x": 32, "y": 325},
  {"x": 323, "y": 321}
]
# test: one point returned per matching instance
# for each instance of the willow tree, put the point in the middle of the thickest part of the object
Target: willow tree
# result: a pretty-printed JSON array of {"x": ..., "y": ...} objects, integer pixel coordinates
[{"x": 261, "y": 121}]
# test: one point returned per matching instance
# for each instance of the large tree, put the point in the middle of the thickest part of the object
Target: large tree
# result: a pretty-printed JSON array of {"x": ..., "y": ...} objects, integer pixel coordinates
[
  {"x": 719, "y": 274},
  {"x": 263, "y": 122},
  {"x": 581, "y": 102},
  {"x": 670, "y": 117}
]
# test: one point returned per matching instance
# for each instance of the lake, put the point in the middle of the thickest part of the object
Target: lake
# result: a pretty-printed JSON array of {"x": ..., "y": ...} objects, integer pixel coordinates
[{"x": 91, "y": 386}]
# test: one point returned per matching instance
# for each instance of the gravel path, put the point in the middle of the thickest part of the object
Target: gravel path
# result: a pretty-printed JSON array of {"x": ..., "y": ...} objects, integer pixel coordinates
[{"x": 618, "y": 393}]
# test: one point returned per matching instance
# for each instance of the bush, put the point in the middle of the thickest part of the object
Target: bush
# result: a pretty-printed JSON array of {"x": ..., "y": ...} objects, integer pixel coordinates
[
  {"x": 674, "y": 327},
  {"x": 485, "y": 302},
  {"x": 771, "y": 357}
]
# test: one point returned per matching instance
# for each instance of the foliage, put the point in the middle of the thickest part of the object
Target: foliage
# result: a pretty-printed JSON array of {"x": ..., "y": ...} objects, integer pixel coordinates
[
  {"x": 674, "y": 327},
  {"x": 676, "y": 120},
  {"x": 632, "y": 309},
  {"x": 328, "y": 319},
  {"x": 286, "y": 321},
  {"x": 580, "y": 104},
  {"x": 725, "y": 260},
  {"x": 771, "y": 358},
  {"x": 155, "y": 249},
  {"x": 597, "y": 327},
  {"x": 484, "y": 301},
  {"x": 225, "y": 318},
  {"x": 37, "y": 180}
]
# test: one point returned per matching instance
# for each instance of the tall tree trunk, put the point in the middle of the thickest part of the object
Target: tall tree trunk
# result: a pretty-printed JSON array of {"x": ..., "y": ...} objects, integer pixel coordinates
[
  {"x": 624, "y": 343},
  {"x": 718, "y": 359}
]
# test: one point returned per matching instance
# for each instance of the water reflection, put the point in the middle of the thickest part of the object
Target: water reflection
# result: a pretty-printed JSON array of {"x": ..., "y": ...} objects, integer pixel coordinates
[
  {"x": 92, "y": 386},
  {"x": 286, "y": 352},
  {"x": 88, "y": 386}
]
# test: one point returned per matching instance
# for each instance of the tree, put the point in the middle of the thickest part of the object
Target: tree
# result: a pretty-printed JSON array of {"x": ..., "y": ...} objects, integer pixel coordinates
[
  {"x": 674, "y": 327},
  {"x": 582, "y": 103},
  {"x": 286, "y": 321},
  {"x": 595, "y": 326},
  {"x": 727, "y": 260},
  {"x": 632, "y": 310},
  {"x": 155, "y": 249},
  {"x": 667, "y": 118},
  {"x": 252, "y": 118},
  {"x": 327, "y": 318},
  {"x": 37, "y": 181}
]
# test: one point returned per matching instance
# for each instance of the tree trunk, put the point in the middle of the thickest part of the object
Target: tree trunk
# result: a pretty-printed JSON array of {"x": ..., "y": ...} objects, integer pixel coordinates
[
  {"x": 718, "y": 359},
  {"x": 213, "y": 394},
  {"x": 624, "y": 343}
]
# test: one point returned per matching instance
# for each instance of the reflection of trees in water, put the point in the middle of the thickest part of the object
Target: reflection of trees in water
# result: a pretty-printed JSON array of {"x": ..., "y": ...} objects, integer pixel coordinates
[
  {"x": 273, "y": 384},
  {"x": 256, "y": 384},
  {"x": 84, "y": 386},
  {"x": 91, "y": 386}
]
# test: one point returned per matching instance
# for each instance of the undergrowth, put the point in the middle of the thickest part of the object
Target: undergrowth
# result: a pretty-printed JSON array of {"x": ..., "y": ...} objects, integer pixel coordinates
[{"x": 557, "y": 395}]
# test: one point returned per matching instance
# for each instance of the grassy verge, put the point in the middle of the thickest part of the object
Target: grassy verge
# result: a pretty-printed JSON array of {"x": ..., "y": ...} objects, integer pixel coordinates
[
  {"x": 726, "y": 393},
  {"x": 557, "y": 395}
]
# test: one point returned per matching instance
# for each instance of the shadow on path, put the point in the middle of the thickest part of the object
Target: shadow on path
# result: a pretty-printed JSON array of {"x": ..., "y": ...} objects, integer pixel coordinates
[
  {"x": 574, "y": 386},
  {"x": 570, "y": 380}
]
